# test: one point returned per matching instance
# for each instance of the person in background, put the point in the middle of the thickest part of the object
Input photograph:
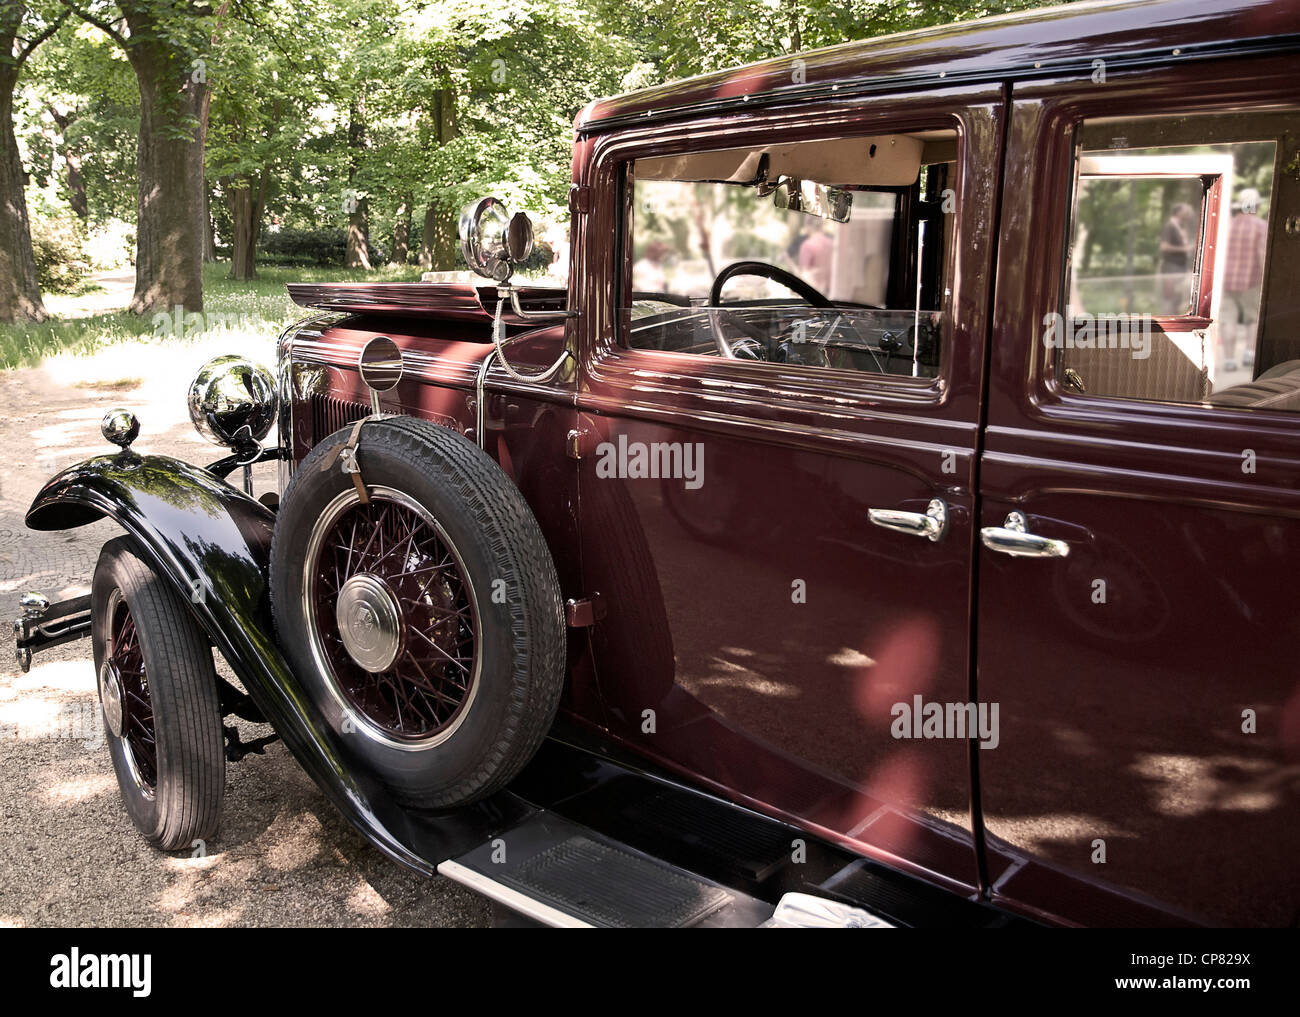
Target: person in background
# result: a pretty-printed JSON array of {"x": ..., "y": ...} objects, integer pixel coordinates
[
  {"x": 1176, "y": 253},
  {"x": 1243, "y": 279},
  {"x": 815, "y": 256},
  {"x": 648, "y": 274}
]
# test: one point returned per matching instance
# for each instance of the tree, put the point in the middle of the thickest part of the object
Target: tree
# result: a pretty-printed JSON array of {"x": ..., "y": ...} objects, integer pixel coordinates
[
  {"x": 22, "y": 29},
  {"x": 167, "y": 44},
  {"x": 80, "y": 101},
  {"x": 253, "y": 149}
]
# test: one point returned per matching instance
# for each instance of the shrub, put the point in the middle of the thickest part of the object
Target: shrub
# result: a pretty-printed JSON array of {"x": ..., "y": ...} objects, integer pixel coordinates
[
  {"x": 59, "y": 246},
  {"x": 325, "y": 246}
]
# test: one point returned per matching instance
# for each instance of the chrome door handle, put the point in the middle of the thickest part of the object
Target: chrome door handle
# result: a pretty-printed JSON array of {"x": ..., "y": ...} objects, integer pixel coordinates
[
  {"x": 932, "y": 523},
  {"x": 1013, "y": 538}
]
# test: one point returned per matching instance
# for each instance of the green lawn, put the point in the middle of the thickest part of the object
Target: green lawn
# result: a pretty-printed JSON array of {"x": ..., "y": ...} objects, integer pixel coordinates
[{"x": 260, "y": 306}]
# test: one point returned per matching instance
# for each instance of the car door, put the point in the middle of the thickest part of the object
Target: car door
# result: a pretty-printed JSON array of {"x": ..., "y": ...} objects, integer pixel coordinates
[
  {"x": 1140, "y": 501},
  {"x": 777, "y": 603}
]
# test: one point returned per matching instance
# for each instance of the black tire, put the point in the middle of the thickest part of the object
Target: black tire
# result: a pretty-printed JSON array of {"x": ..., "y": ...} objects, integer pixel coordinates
[
  {"x": 173, "y": 798},
  {"x": 516, "y": 673}
]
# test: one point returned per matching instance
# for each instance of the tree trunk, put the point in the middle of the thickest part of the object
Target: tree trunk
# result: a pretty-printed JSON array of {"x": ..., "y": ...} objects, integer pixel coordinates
[
  {"x": 358, "y": 253},
  {"x": 246, "y": 207},
  {"x": 402, "y": 233},
  {"x": 73, "y": 177},
  {"x": 169, "y": 242},
  {"x": 426, "y": 237},
  {"x": 209, "y": 240},
  {"x": 243, "y": 245},
  {"x": 439, "y": 244},
  {"x": 209, "y": 233},
  {"x": 20, "y": 294},
  {"x": 358, "y": 246}
]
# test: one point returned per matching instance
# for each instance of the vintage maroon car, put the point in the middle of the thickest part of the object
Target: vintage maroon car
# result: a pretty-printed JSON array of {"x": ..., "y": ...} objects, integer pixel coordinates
[{"x": 892, "y": 520}]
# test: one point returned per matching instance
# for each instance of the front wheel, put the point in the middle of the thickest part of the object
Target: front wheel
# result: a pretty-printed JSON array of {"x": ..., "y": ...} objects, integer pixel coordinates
[{"x": 158, "y": 693}]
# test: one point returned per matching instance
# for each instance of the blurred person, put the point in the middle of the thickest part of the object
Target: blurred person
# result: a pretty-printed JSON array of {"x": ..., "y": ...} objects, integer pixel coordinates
[
  {"x": 815, "y": 256},
  {"x": 648, "y": 272},
  {"x": 1243, "y": 279},
  {"x": 1176, "y": 253}
]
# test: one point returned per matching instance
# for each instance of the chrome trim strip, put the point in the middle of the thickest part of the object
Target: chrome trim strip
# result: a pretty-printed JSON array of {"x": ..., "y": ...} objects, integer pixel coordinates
[
  {"x": 480, "y": 400},
  {"x": 511, "y": 898},
  {"x": 284, "y": 387}
]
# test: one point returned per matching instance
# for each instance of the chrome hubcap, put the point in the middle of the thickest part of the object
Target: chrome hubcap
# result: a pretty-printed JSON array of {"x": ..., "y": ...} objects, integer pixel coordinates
[
  {"x": 110, "y": 695},
  {"x": 370, "y": 622}
]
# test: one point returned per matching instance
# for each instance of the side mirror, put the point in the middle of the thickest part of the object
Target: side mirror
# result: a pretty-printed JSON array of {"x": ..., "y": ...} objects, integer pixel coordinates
[
  {"x": 831, "y": 203},
  {"x": 381, "y": 367}
]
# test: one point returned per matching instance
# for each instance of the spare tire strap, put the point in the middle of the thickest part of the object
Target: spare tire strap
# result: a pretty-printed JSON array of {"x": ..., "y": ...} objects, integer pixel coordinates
[{"x": 346, "y": 455}]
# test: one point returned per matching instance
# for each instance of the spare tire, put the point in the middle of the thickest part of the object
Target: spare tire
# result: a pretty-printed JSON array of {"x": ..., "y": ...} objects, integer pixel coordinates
[{"x": 424, "y": 621}]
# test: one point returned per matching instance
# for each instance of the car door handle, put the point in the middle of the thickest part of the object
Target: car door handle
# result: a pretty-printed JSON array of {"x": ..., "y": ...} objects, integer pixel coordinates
[
  {"x": 931, "y": 524},
  {"x": 1013, "y": 537}
]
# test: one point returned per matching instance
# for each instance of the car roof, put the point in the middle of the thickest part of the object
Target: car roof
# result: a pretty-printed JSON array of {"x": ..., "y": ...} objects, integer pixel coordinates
[{"x": 1045, "y": 42}]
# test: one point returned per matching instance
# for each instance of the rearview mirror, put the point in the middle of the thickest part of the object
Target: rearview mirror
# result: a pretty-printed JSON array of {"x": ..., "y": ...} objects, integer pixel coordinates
[{"x": 831, "y": 203}]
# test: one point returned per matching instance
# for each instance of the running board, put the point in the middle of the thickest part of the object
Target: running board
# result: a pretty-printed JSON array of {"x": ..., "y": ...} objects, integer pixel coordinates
[
  {"x": 605, "y": 842},
  {"x": 558, "y": 873}
]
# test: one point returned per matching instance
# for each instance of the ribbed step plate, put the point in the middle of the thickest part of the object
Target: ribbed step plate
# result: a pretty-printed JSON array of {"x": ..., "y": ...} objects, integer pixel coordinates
[{"x": 560, "y": 873}]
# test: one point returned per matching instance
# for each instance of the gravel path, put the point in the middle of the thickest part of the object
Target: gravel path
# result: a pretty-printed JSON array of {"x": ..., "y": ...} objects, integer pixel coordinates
[{"x": 68, "y": 854}]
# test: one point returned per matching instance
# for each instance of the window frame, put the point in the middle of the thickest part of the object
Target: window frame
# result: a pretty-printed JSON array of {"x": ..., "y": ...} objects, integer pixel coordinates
[
  {"x": 1211, "y": 230},
  {"x": 897, "y": 119}
]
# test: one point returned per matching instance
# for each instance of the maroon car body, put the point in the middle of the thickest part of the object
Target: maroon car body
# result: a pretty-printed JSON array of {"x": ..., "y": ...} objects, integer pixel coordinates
[{"x": 1125, "y": 787}]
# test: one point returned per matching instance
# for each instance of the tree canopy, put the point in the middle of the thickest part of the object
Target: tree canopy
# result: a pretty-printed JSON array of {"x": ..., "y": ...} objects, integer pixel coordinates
[{"x": 317, "y": 131}]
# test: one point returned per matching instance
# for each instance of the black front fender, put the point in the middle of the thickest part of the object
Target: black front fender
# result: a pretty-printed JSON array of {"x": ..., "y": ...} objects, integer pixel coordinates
[{"x": 213, "y": 542}]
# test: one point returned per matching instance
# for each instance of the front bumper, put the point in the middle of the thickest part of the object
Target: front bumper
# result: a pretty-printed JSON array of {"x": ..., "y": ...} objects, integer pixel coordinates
[{"x": 51, "y": 625}]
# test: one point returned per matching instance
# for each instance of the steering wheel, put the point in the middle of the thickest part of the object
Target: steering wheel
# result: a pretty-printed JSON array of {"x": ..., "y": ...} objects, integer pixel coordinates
[{"x": 778, "y": 275}]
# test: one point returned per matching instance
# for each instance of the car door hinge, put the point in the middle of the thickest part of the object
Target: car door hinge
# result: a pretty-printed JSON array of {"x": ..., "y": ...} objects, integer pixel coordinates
[
  {"x": 585, "y": 611},
  {"x": 579, "y": 199}
]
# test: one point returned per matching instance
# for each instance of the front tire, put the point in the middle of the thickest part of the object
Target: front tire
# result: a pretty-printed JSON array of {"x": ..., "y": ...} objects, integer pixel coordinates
[{"x": 158, "y": 695}]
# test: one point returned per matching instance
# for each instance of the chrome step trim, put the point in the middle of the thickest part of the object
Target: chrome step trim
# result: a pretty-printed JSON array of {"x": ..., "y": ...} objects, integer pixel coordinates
[
  {"x": 807, "y": 911},
  {"x": 510, "y": 897}
]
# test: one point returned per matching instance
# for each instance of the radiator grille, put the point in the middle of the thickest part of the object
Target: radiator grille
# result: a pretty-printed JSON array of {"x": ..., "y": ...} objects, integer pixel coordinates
[{"x": 328, "y": 414}]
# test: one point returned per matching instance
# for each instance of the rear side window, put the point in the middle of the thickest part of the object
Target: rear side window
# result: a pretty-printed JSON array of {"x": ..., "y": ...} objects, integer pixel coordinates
[{"x": 1181, "y": 271}]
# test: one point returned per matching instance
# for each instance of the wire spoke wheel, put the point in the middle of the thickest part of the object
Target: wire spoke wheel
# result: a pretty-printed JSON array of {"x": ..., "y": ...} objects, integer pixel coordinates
[
  {"x": 424, "y": 624},
  {"x": 126, "y": 663},
  {"x": 392, "y": 616},
  {"x": 158, "y": 698}
]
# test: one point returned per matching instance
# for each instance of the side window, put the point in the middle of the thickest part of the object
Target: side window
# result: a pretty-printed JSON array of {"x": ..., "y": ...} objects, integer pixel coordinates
[
  {"x": 823, "y": 254},
  {"x": 1178, "y": 285}
]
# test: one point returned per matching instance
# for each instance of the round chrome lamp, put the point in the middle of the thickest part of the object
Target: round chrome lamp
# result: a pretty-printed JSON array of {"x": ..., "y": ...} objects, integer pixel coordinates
[{"x": 232, "y": 402}]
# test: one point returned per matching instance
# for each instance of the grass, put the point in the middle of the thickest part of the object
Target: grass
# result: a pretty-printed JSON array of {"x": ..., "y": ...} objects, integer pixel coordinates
[{"x": 259, "y": 307}]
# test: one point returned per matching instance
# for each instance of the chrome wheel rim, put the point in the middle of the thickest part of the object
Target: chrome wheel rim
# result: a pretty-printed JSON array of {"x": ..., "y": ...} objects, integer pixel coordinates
[{"x": 393, "y": 619}]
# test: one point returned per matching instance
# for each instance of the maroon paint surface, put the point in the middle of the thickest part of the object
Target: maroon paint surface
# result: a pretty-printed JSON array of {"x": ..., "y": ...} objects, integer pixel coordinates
[{"x": 1123, "y": 726}]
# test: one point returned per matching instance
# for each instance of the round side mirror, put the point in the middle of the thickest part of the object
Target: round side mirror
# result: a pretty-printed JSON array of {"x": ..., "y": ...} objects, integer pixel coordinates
[
  {"x": 380, "y": 364},
  {"x": 232, "y": 401}
]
